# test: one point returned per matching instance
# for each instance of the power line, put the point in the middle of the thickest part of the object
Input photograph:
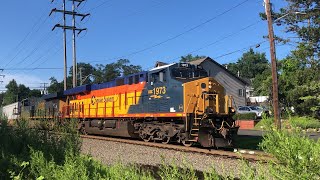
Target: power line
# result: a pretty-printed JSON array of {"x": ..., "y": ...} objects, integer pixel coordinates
[
  {"x": 43, "y": 41},
  {"x": 74, "y": 14},
  {"x": 180, "y": 34},
  {"x": 222, "y": 38},
  {"x": 26, "y": 37},
  {"x": 96, "y": 7}
]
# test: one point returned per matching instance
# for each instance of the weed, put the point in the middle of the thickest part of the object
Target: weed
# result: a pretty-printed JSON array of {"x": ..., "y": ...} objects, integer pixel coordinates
[
  {"x": 265, "y": 123},
  {"x": 304, "y": 122},
  {"x": 298, "y": 157}
]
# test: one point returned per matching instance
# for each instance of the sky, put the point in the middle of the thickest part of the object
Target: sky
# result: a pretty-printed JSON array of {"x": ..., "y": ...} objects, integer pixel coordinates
[{"x": 143, "y": 31}]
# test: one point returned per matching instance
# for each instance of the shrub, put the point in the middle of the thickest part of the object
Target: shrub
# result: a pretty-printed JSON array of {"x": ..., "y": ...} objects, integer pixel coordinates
[
  {"x": 172, "y": 171},
  {"x": 298, "y": 157},
  {"x": 251, "y": 116},
  {"x": 265, "y": 123},
  {"x": 304, "y": 122}
]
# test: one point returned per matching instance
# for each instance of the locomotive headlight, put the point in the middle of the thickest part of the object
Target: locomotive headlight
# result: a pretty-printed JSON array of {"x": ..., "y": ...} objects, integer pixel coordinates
[
  {"x": 210, "y": 86},
  {"x": 210, "y": 82}
]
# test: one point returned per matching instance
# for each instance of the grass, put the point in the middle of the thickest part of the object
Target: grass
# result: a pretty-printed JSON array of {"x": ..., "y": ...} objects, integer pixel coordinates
[
  {"x": 30, "y": 154},
  {"x": 265, "y": 123},
  {"x": 298, "y": 157},
  {"x": 304, "y": 122},
  {"x": 248, "y": 142}
]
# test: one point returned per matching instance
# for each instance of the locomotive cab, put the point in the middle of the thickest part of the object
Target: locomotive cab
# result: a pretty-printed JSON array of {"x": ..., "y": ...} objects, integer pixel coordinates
[{"x": 208, "y": 110}]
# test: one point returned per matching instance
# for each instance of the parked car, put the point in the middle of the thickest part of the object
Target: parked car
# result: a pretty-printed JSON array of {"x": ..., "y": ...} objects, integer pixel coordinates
[{"x": 250, "y": 109}]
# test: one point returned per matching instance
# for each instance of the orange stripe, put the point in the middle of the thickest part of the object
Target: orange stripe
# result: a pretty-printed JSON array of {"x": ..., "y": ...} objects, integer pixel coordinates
[{"x": 139, "y": 115}]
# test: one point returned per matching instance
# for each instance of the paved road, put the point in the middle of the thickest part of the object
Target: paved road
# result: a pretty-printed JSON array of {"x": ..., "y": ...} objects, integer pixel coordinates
[{"x": 242, "y": 132}]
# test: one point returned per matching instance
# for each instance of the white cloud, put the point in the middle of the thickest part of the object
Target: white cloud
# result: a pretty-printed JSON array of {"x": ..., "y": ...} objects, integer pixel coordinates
[{"x": 22, "y": 78}]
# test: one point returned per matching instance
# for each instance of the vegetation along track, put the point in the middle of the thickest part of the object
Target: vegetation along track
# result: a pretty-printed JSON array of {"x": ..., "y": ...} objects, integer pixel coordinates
[{"x": 240, "y": 154}]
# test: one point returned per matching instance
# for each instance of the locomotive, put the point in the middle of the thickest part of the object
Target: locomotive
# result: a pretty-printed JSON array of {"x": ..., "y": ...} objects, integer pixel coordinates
[{"x": 172, "y": 103}]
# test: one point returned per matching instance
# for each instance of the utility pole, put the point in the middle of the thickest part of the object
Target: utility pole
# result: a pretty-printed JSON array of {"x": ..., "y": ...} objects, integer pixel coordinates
[
  {"x": 80, "y": 73},
  {"x": 44, "y": 88},
  {"x": 273, "y": 66},
  {"x": 74, "y": 29},
  {"x": 1, "y": 75}
]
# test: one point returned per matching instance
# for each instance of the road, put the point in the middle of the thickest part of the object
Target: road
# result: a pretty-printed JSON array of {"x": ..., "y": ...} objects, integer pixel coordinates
[{"x": 242, "y": 132}]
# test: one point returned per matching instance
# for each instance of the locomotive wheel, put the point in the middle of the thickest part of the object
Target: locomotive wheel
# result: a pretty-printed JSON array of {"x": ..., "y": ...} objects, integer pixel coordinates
[
  {"x": 166, "y": 140},
  {"x": 147, "y": 139},
  {"x": 83, "y": 131},
  {"x": 187, "y": 143}
]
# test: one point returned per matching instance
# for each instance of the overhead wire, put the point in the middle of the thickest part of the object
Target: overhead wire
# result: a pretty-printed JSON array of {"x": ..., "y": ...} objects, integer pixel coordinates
[
  {"x": 31, "y": 32},
  {"x": 182, "y": 33}
]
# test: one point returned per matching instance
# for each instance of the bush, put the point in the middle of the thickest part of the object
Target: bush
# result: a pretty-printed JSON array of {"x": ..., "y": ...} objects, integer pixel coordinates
[
  {"x": 251, "y": 116},
  {"x": 298, "y": 156},
  {"x": 265, "y": 123},
  {"x": 172, "y": 171},
  {"x": 304, "y": 122}
]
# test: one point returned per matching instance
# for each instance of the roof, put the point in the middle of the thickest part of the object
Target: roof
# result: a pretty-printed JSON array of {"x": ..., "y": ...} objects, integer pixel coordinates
[
  {"x": 159, "y": 63},
  {"x": 199, "y": 61},
  {"x": 162, "y": 67},
  {"x": 48, "y": 97}
]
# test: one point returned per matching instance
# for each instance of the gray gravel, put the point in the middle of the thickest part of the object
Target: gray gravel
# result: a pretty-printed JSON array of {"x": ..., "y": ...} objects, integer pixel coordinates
[{"x": 112, "y": 152}]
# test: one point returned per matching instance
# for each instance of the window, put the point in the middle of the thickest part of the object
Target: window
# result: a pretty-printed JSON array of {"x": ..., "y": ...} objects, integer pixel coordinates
[
  {"x": 159, "y": 76},
  {"x": 130, "y": 80},
  {"x": 241, "y": 92},
  {"x": 162, "y": 76},
  {"x": 136, "y": 79},
  {"x": 119, "y": 81}
]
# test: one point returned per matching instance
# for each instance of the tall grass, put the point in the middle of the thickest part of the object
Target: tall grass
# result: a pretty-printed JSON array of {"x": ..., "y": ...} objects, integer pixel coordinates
[
  {"x": 304, "y": 122},
  {"x": 298, "y": 157},
  {"x": 30, "y": 154}
]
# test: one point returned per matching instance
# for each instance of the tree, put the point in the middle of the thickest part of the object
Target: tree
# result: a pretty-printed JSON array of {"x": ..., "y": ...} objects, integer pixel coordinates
[
  {"x": 299, "y": 77},
  {"x": 190, "y": 57},
  {"x": 108, "y": 72},
  {"x": 1, "y": 98},
  {"x": 250, "y": 64},
  {"x": 34, "y": 93},
  {"x": 11, "y": 94},
  {"x": 86, "y": 70},
  {"x": 126, "y": 68},
  {"x": 17, "y": 92},
  {"x": 55, "y": 86}
]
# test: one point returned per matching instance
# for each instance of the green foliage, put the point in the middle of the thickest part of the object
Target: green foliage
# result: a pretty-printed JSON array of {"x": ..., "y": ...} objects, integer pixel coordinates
[
  {"x": 304, "y": 122},
  {"x": 55, "y": 86},
  {"x": 98, "y": 74},
  {"x": 262, "y": 84},
  {"x": 171, "y": 171},
  {"x": 246, "y": 116},
  {"x": 250, "y": 64},
  {"x": 190, "y": 57},
  {"x": 212, "y": 175},
  {"x": 299, "y": 75},
  {"x": 298, "y": 156},
  {"x": 17, "y": 92},
  {"x": 265, "y": 123}
]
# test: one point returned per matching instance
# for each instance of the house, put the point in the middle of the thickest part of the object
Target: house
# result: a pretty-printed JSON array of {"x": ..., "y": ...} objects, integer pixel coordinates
[
  {"x": 11, "y": 111},
  {"x": 234, "y": 86}
]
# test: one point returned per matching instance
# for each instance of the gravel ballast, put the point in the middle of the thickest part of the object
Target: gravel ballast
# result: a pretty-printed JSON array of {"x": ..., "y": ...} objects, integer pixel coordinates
[{"x": 109, "y": 152}]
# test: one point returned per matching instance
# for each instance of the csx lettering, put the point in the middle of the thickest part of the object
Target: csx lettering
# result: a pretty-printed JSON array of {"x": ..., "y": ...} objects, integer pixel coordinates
[{"x": 100, "y": 100}]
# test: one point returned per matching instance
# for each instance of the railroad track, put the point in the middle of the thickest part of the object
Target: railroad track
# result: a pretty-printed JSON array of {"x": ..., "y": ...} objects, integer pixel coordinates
[{"x": 248, "y": 155}]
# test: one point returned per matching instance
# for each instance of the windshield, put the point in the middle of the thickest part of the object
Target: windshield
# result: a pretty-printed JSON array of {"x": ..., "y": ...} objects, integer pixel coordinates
[
  {"x": 188, "y": 73},
  {"x": 254, "y": 108}
]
